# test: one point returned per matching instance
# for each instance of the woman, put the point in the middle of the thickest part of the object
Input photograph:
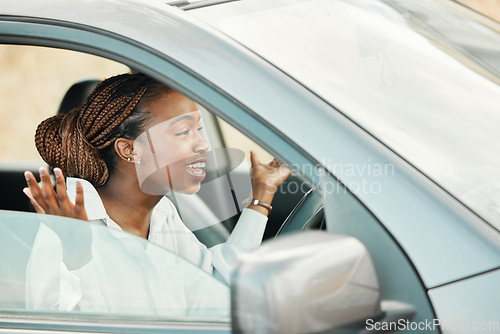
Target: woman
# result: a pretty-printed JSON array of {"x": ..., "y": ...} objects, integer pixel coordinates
[{"x": 97, "y": 146}]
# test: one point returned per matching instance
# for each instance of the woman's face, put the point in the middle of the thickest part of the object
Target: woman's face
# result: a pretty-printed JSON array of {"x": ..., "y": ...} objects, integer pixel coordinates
[{"x": 172, "y": 150}]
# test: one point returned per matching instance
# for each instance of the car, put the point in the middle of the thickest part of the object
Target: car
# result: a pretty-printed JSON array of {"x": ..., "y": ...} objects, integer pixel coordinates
[{"x": 385, "y": 110}]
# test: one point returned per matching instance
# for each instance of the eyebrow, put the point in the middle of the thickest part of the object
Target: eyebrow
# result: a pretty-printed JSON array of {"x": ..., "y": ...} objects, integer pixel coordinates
[{"x": 183, "y": 117}]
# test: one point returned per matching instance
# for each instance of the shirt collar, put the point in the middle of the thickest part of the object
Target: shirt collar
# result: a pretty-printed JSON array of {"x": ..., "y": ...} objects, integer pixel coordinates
[{"x": 96, "y": 211}]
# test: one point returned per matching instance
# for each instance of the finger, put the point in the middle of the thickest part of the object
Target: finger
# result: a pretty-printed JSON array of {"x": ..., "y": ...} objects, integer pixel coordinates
[
  {"x": 79, "y": 208},
  {"x": 35, "y": 191},
  {"x": 62, "y": 196},
  {"x": 37, "y": 207},
  {"x": 48, "y": 192},
  {"x": 284, "y": 171},
  {"x": 254, "y": 159}
]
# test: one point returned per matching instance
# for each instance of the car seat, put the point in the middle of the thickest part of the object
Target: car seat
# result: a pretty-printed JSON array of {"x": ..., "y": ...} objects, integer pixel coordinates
[{"x": 76, "y": 95}]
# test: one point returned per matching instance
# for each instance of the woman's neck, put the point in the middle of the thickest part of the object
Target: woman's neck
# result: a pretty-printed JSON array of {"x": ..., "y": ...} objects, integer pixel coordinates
[{"x": 128, "y": 205}]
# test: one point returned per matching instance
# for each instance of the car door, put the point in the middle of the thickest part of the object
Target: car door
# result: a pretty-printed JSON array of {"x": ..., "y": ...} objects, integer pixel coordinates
[{"x": 252, "y": 95}]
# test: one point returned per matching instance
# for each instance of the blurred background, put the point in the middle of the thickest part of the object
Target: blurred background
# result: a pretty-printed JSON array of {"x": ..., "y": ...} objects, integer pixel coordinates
[{"x": 37, "y": 91}]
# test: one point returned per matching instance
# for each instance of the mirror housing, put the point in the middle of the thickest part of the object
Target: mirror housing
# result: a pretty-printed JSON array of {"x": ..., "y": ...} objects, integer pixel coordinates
[{"x": 306, "y": 282}]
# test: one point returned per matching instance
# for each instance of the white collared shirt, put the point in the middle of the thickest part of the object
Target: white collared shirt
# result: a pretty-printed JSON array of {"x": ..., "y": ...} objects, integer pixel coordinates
[
  {"x": 167, "y": 230},
  {"x": 124, "y": 274}
]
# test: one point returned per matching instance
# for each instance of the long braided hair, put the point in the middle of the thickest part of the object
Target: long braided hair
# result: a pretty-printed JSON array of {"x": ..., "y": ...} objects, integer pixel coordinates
[{"x": 81, "y": 142}]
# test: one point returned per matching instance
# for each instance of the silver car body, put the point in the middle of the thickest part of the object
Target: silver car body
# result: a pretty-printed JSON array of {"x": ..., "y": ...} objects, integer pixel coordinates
[{"x": 438, "y": 252}]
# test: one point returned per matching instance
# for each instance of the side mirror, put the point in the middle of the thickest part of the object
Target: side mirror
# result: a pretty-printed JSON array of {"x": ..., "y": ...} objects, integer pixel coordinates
[{"x": 302, "y": 283}]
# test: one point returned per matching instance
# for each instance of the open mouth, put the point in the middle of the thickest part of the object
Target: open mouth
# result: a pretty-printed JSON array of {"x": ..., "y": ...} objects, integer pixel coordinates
[{"x": 195, "y": 168}]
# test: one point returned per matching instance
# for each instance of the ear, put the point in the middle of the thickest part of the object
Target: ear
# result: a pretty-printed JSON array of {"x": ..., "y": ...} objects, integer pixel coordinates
[{"x": 125, "y": 149}]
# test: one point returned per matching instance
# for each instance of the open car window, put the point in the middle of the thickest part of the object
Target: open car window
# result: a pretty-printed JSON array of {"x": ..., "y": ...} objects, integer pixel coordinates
[
  {"x": 62, "y": 266},
  {"x": 54, "y": 264}
]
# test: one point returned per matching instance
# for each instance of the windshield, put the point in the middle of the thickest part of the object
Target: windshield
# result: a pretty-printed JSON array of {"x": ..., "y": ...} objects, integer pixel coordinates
[{"x": 423, "y": 80}]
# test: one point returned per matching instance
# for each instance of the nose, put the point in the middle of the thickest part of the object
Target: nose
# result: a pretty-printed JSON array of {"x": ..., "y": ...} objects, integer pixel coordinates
[{"x": 201, "y": 145}]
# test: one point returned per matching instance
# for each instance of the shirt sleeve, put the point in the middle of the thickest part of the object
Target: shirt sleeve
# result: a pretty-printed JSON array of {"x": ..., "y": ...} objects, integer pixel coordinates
[
  {"x": 246, "y": 236},
  {"x": 49, "y": 283},
  {"x": 218, "y": 260}
]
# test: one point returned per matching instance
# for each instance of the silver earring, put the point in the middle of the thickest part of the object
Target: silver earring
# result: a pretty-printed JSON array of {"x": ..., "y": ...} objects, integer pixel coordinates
[{"x": 139, "y": 162}]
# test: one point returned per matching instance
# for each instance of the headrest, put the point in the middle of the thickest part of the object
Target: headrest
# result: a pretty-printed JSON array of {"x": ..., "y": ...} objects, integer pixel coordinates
[{"x": 76, "y": 95}]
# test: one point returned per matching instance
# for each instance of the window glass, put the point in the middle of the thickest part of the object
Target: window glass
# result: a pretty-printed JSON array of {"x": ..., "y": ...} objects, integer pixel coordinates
[
  {"x": 61, "y": 265},
  {"x": 55, "y": 264},
  {"x": 406, "y": 73}
]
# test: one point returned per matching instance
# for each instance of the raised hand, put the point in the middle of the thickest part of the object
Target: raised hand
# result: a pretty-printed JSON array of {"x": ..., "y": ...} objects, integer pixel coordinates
[
  {"x": 47, "y": 201},
  {"x": 266, "y": 179}
]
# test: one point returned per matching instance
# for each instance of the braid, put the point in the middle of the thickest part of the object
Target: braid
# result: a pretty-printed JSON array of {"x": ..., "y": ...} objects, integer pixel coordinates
[
  {"x": 81, "y": 142},
  {"x": 47, "y": 140},
  {"x": 100, "y": 141}
]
